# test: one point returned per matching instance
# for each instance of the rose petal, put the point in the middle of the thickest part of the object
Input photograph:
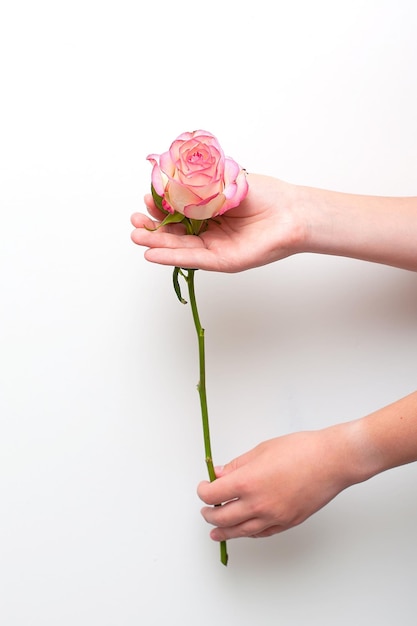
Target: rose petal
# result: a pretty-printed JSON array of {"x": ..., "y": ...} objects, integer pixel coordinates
[
  {"x": 180, "y": 196},
  {"x": 205, "y": 210},
  {"x": 157, "y": 178},
  {"x": 231, "y": 170},
  {"x": 230, "y": 191},
  {"x": 166, "y": 164},
  {"x": 235, "y": 192}
]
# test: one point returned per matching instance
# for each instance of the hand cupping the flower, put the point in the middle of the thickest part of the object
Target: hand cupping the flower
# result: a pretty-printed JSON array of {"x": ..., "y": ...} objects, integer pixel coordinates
[{"x": 195, "y": 179}]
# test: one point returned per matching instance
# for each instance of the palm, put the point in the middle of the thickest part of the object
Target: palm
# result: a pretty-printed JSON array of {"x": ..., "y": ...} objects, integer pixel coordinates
[{"x": 239, "y": 240}]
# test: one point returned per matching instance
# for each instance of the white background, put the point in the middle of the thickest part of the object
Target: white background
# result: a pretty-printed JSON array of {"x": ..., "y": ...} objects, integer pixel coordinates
[{"x": 100, "y": 438}]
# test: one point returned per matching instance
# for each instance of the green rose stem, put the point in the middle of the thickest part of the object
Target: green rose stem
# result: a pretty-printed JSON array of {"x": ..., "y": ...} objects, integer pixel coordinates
[
  {"x": 201, "y": 387},
  {"x": 193, "y": 227}
]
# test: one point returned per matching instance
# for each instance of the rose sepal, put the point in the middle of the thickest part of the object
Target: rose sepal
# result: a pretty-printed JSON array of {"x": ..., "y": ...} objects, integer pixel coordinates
[
  {"x": 197, "y": 226},
  {"x": 171, "y": 218},
  {"x": 157, "y": 199}
]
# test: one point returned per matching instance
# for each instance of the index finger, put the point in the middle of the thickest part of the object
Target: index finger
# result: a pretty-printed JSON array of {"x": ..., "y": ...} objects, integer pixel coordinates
[{"x": 221, "y": 490}]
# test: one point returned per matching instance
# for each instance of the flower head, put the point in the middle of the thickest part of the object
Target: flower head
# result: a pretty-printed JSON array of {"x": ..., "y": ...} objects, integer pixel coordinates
[{"x": 195, "y": 178}]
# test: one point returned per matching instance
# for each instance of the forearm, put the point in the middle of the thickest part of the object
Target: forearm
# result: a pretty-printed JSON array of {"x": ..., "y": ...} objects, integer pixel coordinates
[
  {"x": 385, "y": 439},
  {"x": 371, "y": 228}
]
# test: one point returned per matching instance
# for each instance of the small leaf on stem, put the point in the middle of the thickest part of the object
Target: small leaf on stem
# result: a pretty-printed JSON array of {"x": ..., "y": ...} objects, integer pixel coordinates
[{"x": 177, "y": 288}]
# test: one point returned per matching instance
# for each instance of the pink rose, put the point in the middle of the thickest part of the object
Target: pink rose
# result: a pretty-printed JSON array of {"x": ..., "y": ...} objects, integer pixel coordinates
[{"x": 196, "y": 179}]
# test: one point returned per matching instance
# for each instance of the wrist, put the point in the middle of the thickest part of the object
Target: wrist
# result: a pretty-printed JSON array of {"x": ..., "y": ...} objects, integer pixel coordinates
[
  {"x": 313, "y": 219},
  {"x": 316, "y": 216},
  {"x": 294, "y": 214},
  {"x": 382, "y": 440},
  {"x": 355, "y": 458}
]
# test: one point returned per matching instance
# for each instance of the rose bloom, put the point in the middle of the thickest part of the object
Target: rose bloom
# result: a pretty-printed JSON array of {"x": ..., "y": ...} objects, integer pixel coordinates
[{"x": 196, "y": 179}]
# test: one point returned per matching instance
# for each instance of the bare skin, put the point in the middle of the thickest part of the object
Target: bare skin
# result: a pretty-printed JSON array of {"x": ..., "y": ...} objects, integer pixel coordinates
[
  {"x": 283, "y": 481},
  {"x": 278, "y": 219}
]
